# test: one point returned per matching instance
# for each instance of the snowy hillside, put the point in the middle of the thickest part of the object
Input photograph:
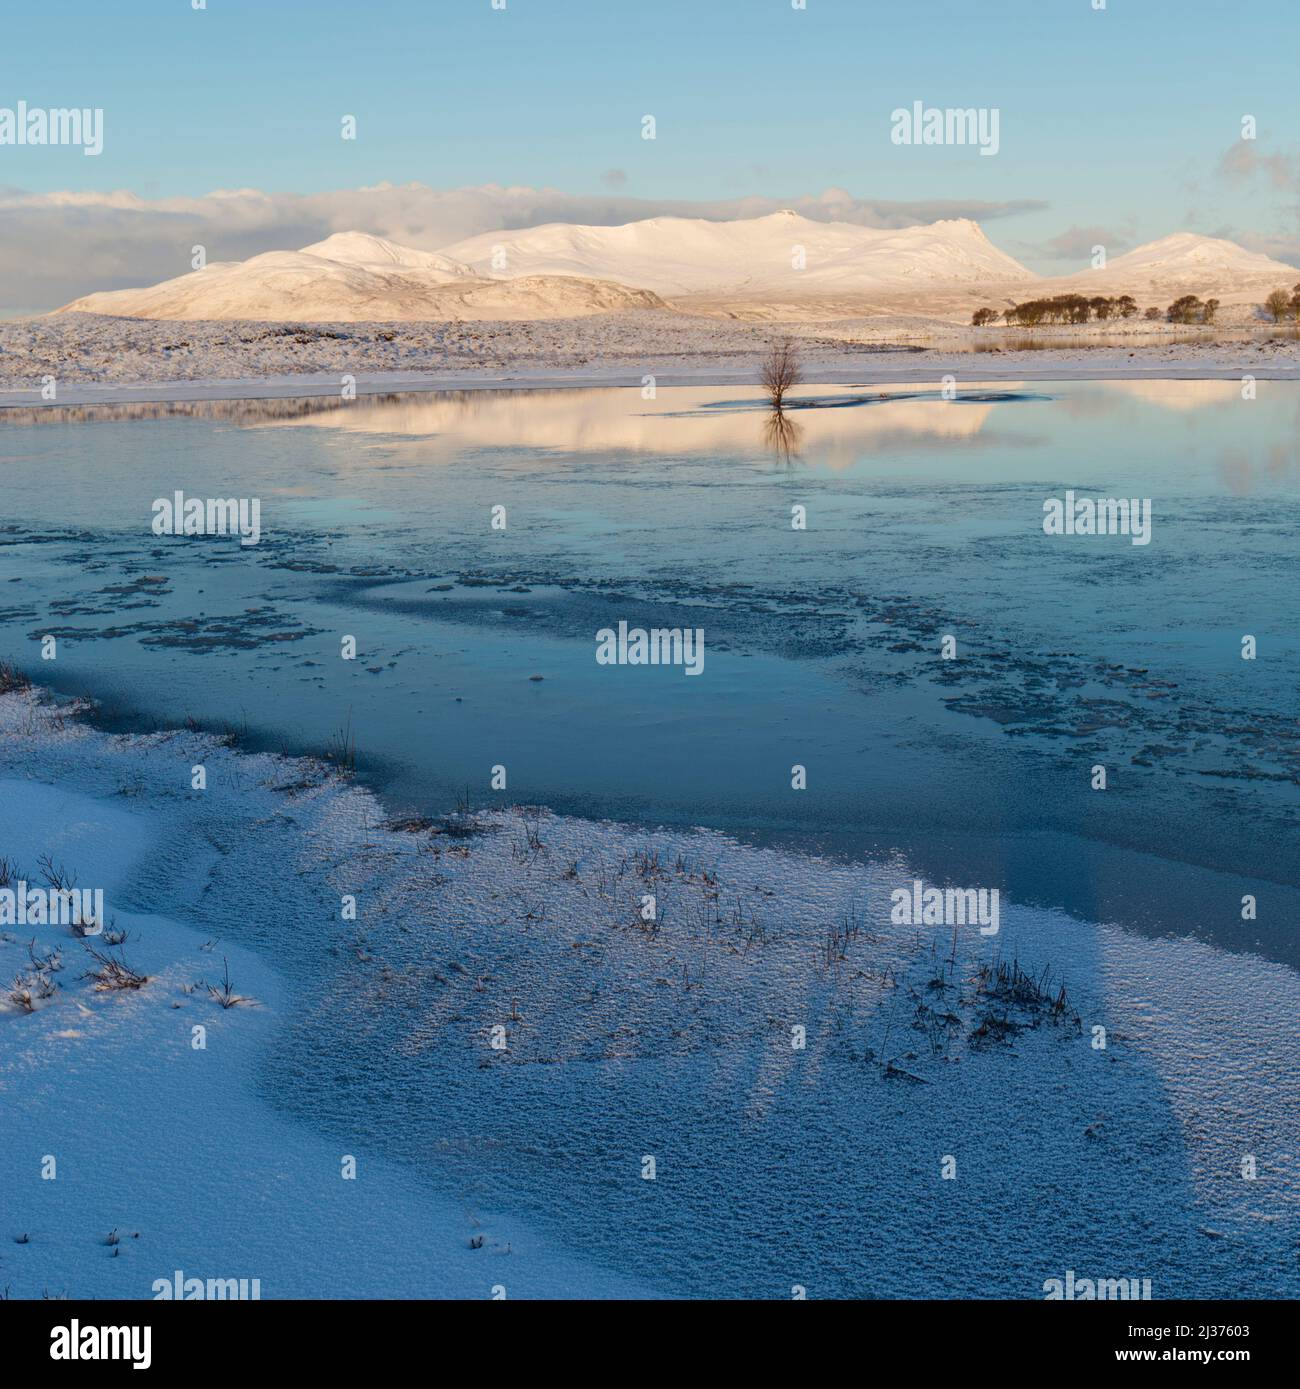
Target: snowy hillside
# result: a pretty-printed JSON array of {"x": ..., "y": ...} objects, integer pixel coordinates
[
  {"x": 784, "y": 252},
  {"x": 354, "y": 278},
  {"x": 1190, "y": 263}
]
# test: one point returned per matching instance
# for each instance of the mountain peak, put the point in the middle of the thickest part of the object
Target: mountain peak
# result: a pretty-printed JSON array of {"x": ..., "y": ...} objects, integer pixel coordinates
[
  {"x": 782, "y": 253},
  {"x": 1192, "y": 251},
  {"x": 364, "y": 248}
]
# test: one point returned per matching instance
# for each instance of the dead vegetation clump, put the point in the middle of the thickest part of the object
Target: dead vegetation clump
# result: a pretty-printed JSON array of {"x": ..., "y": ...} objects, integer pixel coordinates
[
  {"x": 37, "y": 984},
  {"x": 51, "y": 962},
  {"x": 224, "y": 993},
  {"x": 1015, "y": 1000},
  {"x": 56, "y": 875},
  {"x": 11, "y": 679},
  {"x": 839, "y": 937},
  {"x": 111, "y": 971},
  {"x": 530, "y": 849},
  {"x": 341, "y": 749},
  {"x": 23, "y": 993}
]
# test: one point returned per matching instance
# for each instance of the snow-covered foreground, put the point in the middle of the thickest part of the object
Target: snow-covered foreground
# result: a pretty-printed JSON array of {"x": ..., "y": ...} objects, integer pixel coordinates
[
  {"x": 93, "y": 358},
  {"x": 776, "y": 1164},
  {"x": 165, "y": 1159}
]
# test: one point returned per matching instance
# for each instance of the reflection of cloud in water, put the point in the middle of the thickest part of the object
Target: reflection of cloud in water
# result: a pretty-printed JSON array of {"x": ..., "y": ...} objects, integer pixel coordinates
[
  {"x": 686, "y": 420},
  {"x": 1246, "y": 459},
  {"x": 1244, "y": 473},
  {"x": 1176, "y": 395}
]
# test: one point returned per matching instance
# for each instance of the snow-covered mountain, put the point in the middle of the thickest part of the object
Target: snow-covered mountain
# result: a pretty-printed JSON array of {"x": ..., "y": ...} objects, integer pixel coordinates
[
  {"x": 1185, "y": 263},
  {"x": 354, "y": 277},
  {"x": 782, "y": 265},
  {"x": 782, "y": 253},
  {"x": 360, "y": 248}
]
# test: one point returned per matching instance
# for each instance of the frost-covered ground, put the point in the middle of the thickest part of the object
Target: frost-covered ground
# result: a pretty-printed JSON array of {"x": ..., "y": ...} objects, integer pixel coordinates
[
  {"x": 775, "y": 1164},
  {"x": 165, "y": 1159},
  {"x": 93, "y": 357}
]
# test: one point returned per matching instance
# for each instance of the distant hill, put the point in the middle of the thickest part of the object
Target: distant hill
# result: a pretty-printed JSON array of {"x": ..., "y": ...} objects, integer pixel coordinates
[
  {"x": 354, "y": 277},
  {"x": 1184, "y": 263}
]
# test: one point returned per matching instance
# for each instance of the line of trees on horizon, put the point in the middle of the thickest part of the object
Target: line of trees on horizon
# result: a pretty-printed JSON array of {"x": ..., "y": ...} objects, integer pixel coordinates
[
  {"x": 1080, "y": 308},
  {"x": 1061, "y": 308}
]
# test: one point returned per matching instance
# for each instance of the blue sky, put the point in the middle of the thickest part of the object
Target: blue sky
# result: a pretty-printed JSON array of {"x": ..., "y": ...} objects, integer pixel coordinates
[{"x": 1116, "y": 119}]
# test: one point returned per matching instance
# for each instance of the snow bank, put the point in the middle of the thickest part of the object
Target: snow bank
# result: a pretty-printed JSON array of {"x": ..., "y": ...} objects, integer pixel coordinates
[
  {"x": 505, "y": 1019},
  {"x": 164, "y": 1157}
]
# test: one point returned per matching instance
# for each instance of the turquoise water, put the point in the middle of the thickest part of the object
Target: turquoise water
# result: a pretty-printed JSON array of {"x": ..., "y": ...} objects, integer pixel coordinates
[{"x": 823, "y": 646}]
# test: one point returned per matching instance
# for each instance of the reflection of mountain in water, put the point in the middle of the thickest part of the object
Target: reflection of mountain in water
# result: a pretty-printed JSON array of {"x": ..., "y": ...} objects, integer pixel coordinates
[
  {"x": 837, "y": 429},
  {"x": 689, "y": 421}
]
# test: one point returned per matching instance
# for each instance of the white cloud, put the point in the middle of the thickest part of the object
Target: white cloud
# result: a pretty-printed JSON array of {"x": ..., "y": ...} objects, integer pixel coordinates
[{"x": 1248, "y": 167}]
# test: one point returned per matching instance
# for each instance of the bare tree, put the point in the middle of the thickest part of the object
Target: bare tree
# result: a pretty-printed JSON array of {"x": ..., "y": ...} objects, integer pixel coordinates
[
  {"x": 1277, "y": 304},
  {"x": 780, "y": 372}
]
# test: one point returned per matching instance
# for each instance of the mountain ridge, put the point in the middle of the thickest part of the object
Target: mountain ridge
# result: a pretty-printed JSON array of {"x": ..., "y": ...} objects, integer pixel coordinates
[
  {"x": 762, "y": 266},
  {"x": 780, "y": 251}
]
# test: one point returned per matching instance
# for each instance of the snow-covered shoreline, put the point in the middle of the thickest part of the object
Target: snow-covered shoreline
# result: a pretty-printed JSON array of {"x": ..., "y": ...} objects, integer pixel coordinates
[
  {"x": 95, "y": 359},
  {"x": 533, "y": 920},
  {"x": 129, "y": 1151}
]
